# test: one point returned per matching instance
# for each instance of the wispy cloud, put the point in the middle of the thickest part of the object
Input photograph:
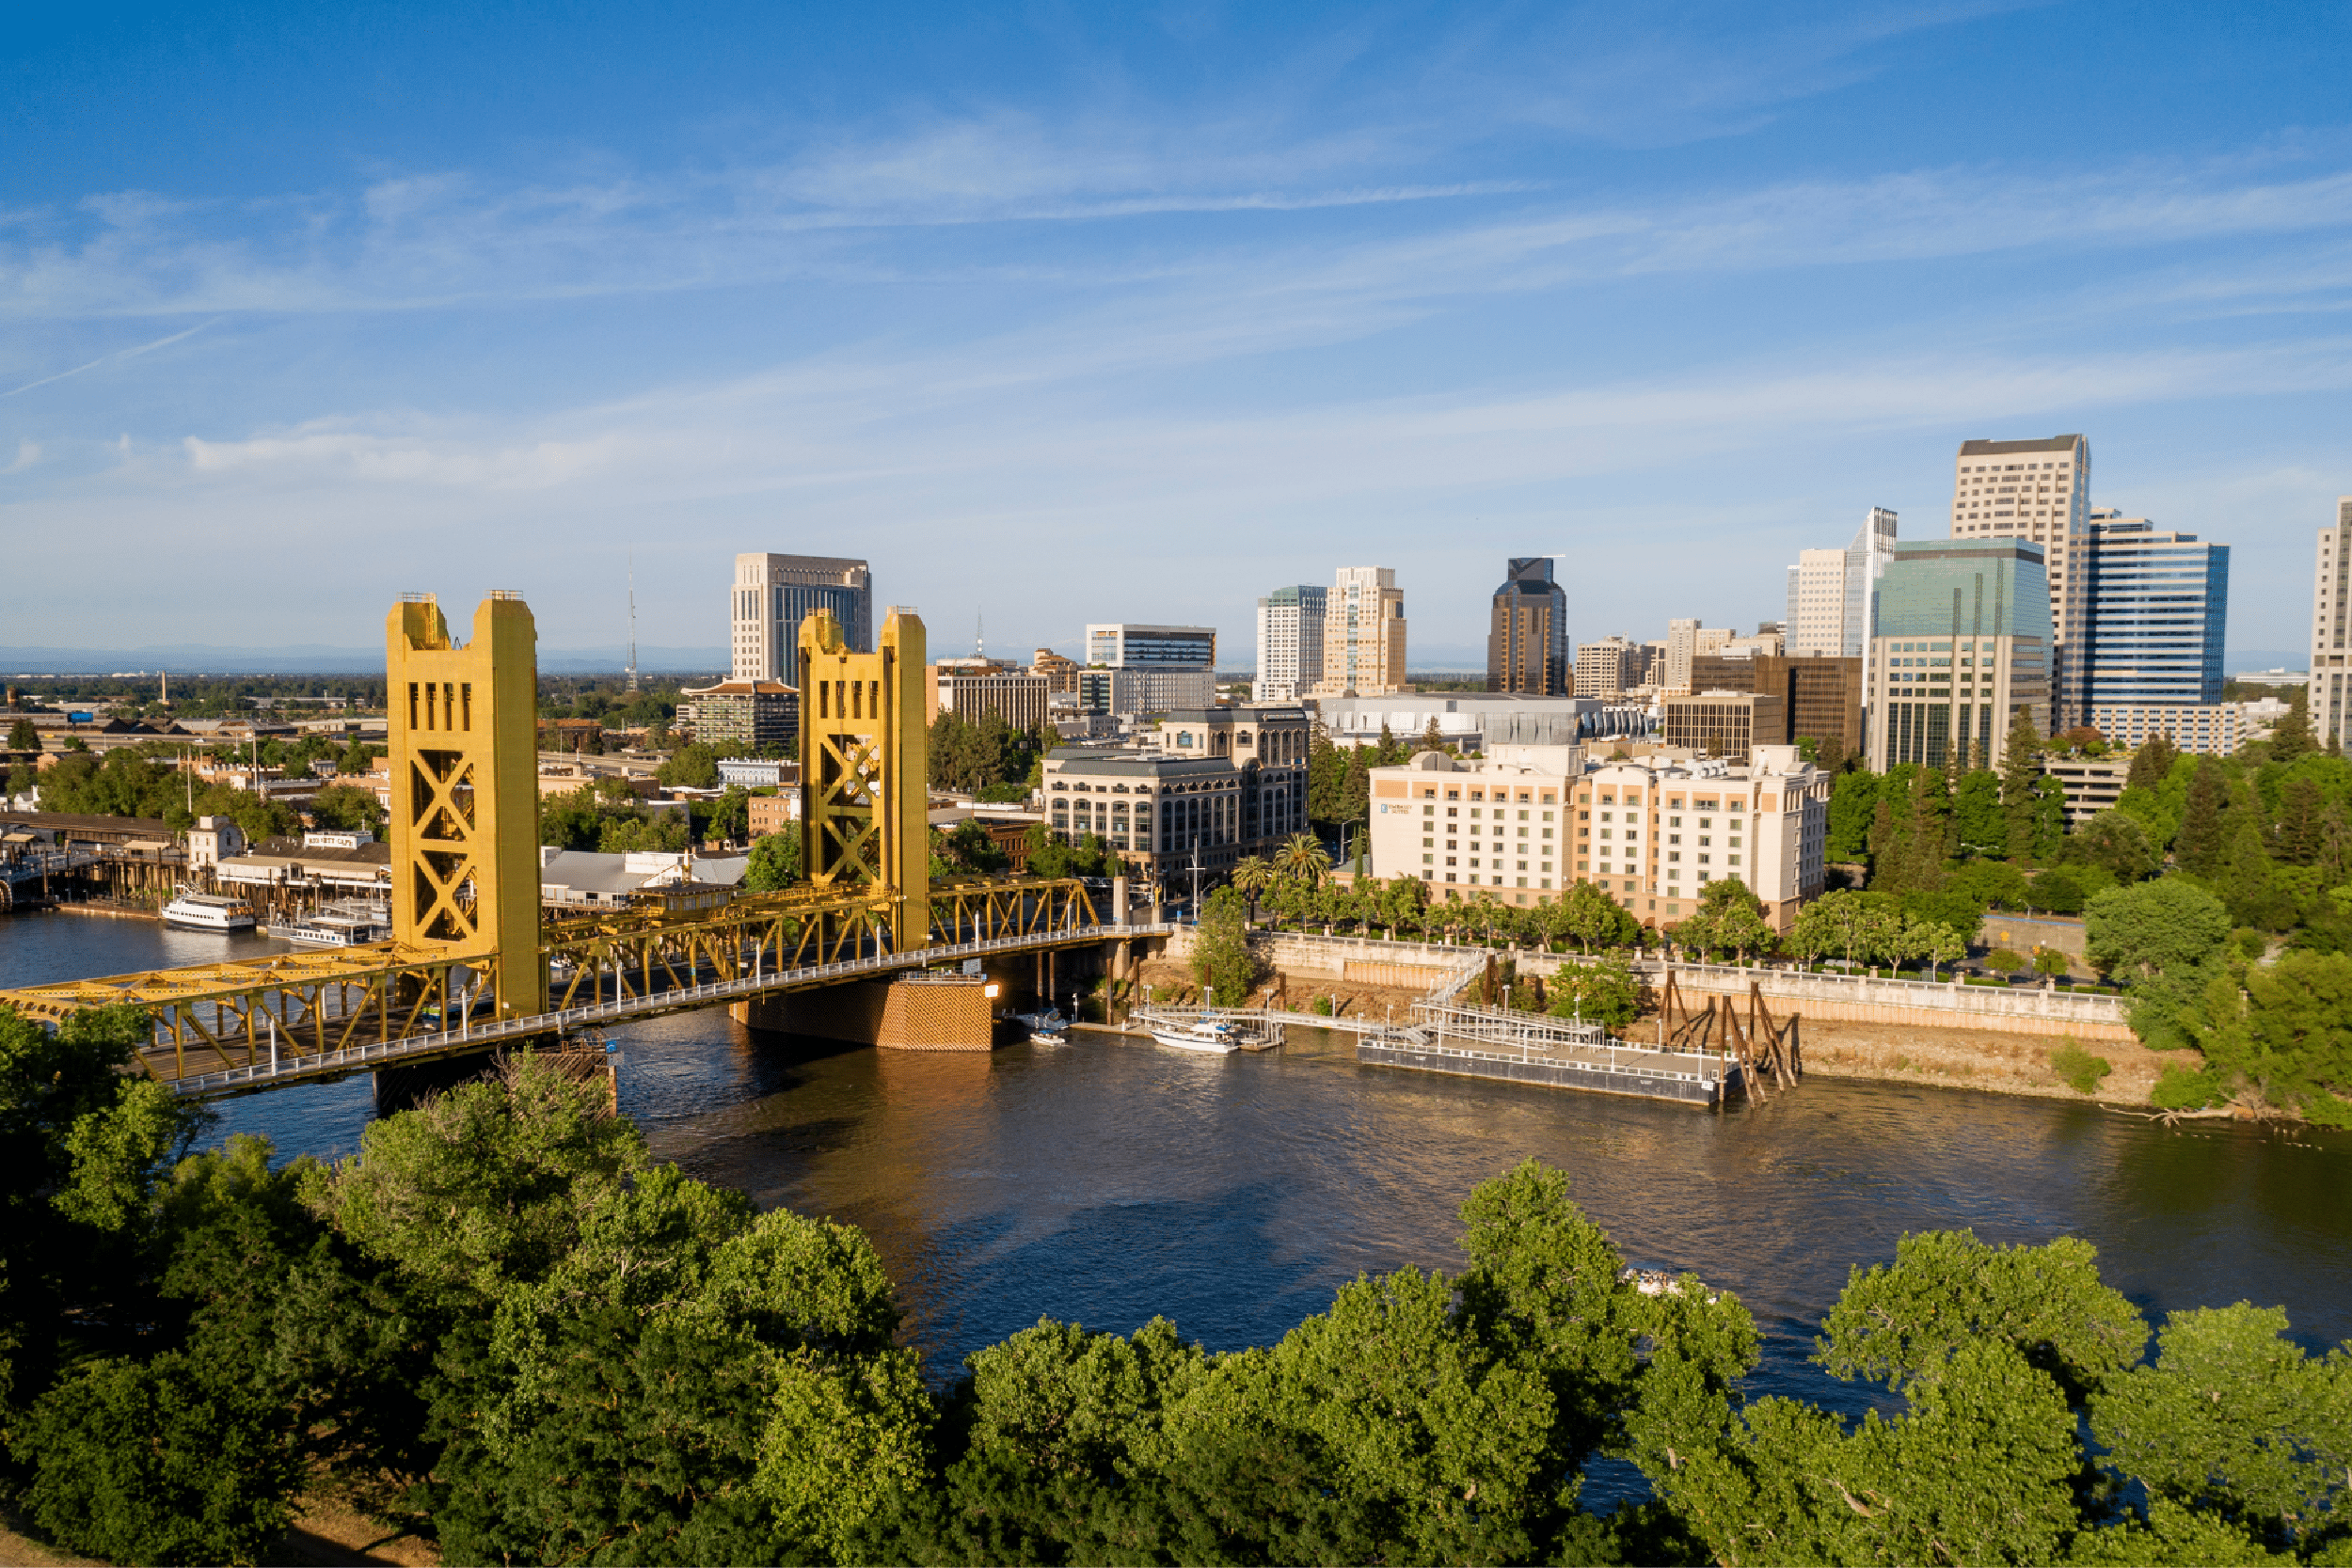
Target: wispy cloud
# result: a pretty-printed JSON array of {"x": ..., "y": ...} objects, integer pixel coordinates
[{"x": 114, "y": 357}]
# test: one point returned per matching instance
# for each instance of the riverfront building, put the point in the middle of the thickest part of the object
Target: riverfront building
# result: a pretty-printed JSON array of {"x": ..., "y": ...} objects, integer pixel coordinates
[
  {"x": 1527, "y": 631},
  {"x": 774, "y": 593},
  {"x": 2330, "y": 702},
  {"x": 1963, "y": 645},
  {"x": 1526, "y": 823},
  {"x": 1290, "y": 643}
]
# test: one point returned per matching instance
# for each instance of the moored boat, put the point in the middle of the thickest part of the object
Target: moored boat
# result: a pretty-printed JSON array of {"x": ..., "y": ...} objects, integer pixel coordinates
[
  {"x": 1200, "y": 1034},
  {"x": 1046, "y": 1028},
  {"x": 209, "y": 912},
  {"x": 343, "y": 925}
]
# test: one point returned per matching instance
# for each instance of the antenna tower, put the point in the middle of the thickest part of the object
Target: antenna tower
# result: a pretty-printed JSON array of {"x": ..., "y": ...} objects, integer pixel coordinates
[{"x": 632, "y": 619}]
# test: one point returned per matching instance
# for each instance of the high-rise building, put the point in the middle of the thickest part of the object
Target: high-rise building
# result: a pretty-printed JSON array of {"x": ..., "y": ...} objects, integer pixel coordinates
[
  {"x": 773, "y": 593},
  {"x": 1816, "y": 622},
  {"x": 1606, "y": 666},
  {"x": 1290, "y": 644},
  {"x": 2329, "y": 705},
  {"x": 1527, "y": 630},
  {"x": 2036, "y": 490},
  {"x": 1963, "y": 644},
  {"x": 1681, "y": 643},
  {"x": 2156, "y": 611},
  {"x": 1363, "y": 634},
  {"x": 1060, "y": 672}
]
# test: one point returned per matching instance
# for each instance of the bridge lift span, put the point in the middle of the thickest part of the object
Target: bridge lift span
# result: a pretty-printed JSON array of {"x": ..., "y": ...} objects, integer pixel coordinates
[{"x": 472, "y": 963}]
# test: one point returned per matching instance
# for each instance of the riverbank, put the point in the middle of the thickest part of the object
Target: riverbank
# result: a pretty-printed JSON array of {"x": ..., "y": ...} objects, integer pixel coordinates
[{"x": 1941, "y": 1054}]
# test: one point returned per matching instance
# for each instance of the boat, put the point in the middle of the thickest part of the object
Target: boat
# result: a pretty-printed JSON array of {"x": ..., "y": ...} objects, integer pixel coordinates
[
  {"x": 340, "y": 925},
  {"x": 1046, "y": 1028},
  {"x": 1200, "y": 1034},
  {"x": 209, "y": 912}
]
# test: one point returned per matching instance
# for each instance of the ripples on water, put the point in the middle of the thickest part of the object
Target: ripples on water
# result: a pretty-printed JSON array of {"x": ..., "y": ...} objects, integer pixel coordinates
[{"x": 1109, "y": 1179}]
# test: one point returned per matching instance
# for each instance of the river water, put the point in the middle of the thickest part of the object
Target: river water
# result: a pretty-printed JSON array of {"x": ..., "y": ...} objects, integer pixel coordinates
[{"x": 1109, "y": 1179}]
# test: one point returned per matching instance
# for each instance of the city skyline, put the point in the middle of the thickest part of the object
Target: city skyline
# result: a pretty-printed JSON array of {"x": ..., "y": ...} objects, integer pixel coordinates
[{"x": 1263, "y": 294}]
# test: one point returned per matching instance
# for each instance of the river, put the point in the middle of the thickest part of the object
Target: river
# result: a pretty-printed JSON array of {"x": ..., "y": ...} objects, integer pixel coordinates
[{"x": 1109, "y": 1179}]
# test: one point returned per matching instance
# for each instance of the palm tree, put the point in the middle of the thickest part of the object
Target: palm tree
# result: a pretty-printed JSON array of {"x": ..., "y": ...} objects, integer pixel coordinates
[
  {"x": 1252, "y": 875},
  {"x": 1302, "y": 855}
]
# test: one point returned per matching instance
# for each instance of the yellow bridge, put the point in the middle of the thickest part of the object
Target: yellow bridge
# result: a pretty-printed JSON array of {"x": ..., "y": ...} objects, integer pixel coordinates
[{"x": 473, "y": 963}]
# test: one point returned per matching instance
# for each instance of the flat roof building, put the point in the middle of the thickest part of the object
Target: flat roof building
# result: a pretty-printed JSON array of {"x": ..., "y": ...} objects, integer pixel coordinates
[
  {"x": 1290, "y": 643},
  {"x": 773, "y": 593},
  {"x": 2330, "y": 706},
  {"x": 1963, "y": 646},
  {"x": 2156, "y": 612}
]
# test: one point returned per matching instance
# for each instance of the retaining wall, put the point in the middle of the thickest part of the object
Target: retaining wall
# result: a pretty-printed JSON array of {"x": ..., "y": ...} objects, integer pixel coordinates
[{"x": 1925, "y": 1004}]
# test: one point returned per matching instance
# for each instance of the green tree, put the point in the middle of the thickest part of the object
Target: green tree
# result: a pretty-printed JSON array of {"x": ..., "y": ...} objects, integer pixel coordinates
[
  {"x": 774, "y": 864},
  {"x": 347, "y": 807},
  {"x": 1729, "y": 919},
  {"x": 2234, "y": 1423},
  {"x": 1865, "y": 927},
  {"x": 1221, "y": 961},
  {"x": 2152, "y": 763},
  {"x": 1252, "y": 875},
  {"x": 2291, "y": 737},
  {"x": 694, "y": 766},
  {"x": 571, "y": 820},
  {"x": 22, "y": 736},
  {"x": 154, "y": 1462},
  {"x": 1978, "y": 822},
  {"x": 2203, "y": 837},
  {"x": 1593, "y": 920},
  {"x": 2115, "y": 841},
  {"x": 1606, "y": 992},
  {"x": 2282, "y": 1029},
  {"x": 2155, "y": 927},
  {"x": 2021, "y": 773},
  {"x": 1852, "y": 806}
]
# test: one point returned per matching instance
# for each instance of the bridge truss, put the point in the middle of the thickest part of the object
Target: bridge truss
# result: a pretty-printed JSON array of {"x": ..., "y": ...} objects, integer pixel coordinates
[{"x": 214, "y": 1028}]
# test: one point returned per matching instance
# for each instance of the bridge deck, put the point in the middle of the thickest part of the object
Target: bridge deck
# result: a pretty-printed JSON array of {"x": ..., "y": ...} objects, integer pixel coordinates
[{"x": 242, "y": 1064}]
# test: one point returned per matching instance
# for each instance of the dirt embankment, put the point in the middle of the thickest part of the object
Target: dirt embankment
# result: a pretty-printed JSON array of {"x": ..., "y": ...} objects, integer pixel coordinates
[{"x": 1953, "y": 1058}]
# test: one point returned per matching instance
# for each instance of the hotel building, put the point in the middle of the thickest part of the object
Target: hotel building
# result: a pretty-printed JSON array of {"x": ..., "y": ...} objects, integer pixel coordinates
[{"x": 1526, "y": 823}]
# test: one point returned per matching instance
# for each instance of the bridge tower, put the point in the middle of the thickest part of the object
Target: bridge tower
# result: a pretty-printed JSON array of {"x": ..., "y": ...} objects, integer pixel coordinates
[
  {"x": 464, "y": 731},
  {"x": 865, "y": 798}
]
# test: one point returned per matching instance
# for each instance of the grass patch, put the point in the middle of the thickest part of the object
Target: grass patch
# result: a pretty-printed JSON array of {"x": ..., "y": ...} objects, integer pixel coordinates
[{"x": 2079, "y": 1068}]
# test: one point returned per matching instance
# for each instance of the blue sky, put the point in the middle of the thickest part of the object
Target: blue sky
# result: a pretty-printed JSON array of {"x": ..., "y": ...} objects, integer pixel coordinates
[{"x": 1061, "y": 314}]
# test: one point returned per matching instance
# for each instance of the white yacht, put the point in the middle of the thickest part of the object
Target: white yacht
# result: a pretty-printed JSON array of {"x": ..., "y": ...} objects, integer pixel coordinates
[
  {"x": 1046, "y": 1028},
  {"x": 340, "y": 925},
  {"x": 209, "y": 912},
  {"x": 1200, "y": 1034}
]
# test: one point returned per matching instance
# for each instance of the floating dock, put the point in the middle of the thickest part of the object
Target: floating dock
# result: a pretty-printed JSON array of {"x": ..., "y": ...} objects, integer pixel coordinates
[{"x": 1535, "y": 1048}]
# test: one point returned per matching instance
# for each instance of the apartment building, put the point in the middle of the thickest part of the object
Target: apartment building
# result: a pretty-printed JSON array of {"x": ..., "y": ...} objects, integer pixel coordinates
[
  {"x": 1527, "y": 631},
  {"x": 2041, "y": 491},
  {"x": 1363, "y": 634},
  {"x": 1524, "y": 825},
  {"x": 2329, "y": 704},
  {"x": 2219, "y": 728},
  {"x": 773, "y": 593},
  {"x": 740, "y": 713},
  {"x": 1963, "y": 645},
  {"x": 1060, "y": 672},
  {"x": 1290, "y": 643}
]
